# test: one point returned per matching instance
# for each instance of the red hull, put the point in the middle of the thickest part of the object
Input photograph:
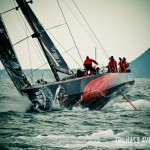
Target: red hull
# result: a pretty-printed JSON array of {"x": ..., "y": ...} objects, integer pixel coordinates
[{"x": 98, "y": 92}]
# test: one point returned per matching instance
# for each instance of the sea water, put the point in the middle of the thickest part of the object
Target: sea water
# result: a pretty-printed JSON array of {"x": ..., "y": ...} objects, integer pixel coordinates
[{"x": 117, "y": 126}]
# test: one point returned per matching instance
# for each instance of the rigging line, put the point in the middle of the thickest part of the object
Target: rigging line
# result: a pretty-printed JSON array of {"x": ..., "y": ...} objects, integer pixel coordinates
[
  {"x": 74, "y": 60},
  {"x": 28, "y": 49},
  {"x": 55, "y": 26},
  {"x": 72, "y": 56},
  {"x": 41, "y": 31},
  {"x": 69, "y": 30},
  {"x": 8, "y": 10},
  {"x": 21, "y": 40},
  {"x": 68, "y": 50},
  {"x": 90, "y": 28},
  {"x": 65, "y": 49},
  {"x": 56, "y": 40},
  {"x": 84, "y": 28},
  {"x": 30, "y": 35},
  {"x": 36, "y": 69}
]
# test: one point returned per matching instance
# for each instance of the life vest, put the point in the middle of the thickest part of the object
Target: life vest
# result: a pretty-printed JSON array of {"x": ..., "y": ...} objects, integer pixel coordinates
[
  {"x": 123, "y": 66},
  {"x": 113, "y": 66}
]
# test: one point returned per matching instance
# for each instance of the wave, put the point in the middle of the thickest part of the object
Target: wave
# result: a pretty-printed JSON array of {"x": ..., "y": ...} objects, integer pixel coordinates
[
  {"x": 140, "y": 104},
  {"x": 119, "y": 103},
  {"x": 10, "y": 99},
  {"x": 14, "y": 103},
  {"x": 99, "y": 139}
]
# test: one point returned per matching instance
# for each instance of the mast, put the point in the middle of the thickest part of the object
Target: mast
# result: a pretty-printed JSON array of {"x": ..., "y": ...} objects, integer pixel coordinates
[{"x": 52, "y": 55}]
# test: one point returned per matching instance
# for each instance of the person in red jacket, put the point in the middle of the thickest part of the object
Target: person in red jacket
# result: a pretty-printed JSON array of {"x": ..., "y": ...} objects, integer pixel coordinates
[
  {"x": 123, "y": 65},
  {"x": 88, "y": 64},
  {"x": 112, "y": 65}
]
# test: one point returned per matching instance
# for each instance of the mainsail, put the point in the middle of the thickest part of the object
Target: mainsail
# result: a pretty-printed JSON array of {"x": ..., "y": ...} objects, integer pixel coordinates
[
  {"x": 52, "y": 54},
  {"x": 9, "y": 59}
]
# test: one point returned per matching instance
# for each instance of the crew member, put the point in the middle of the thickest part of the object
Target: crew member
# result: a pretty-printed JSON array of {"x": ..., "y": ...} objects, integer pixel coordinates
[
  {"x": 112, "y": 65},
  {"x": 88, "y": 65},
  {"x": 80, "y": 73},
  {"x": 124, "y": 65}
]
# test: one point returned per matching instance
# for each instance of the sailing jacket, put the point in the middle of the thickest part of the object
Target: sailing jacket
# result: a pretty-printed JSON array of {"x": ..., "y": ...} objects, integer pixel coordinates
[
  {"x": 112, "y": 66},
  {"x": 89, "y": 62},
  {"x": 123, "y": 65}
]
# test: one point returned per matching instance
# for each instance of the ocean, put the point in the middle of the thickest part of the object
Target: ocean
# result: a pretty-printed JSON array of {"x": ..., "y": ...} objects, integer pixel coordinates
[{"x": 116, "y": 126}]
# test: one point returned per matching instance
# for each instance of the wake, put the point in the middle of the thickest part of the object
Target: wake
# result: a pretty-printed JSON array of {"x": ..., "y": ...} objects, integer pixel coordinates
[{"x": 119, "y": 104}]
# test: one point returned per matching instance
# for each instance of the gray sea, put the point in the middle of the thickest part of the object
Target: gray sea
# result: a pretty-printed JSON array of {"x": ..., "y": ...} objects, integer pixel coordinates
[{"x": 116, "y": 126}]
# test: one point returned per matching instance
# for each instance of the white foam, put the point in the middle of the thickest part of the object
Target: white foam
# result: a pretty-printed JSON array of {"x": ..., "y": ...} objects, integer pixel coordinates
[
  {"x": 54, "y": 137},
  {"x": 139, "y": 104},
  {"x": 16, "y": 103},
  {"x": 142, "y": 104},
  {"x": 102, "y": 134},
  {"x": 79, "y": 108},
  {"x": 99, "y": 139},
  {"x": 96, "y": 144}
]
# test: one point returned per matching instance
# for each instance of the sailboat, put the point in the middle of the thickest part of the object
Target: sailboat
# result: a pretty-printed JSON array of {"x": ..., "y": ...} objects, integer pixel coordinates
[{"x": 92, "y": 91}]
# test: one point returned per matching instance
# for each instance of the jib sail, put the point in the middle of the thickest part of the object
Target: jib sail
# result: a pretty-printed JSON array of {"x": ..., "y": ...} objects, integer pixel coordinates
[{"x": 9, "y": 59}]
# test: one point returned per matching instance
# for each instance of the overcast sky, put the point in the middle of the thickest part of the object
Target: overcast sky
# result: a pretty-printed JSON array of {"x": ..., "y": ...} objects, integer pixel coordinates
[{"x": 122, "y": 27}]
